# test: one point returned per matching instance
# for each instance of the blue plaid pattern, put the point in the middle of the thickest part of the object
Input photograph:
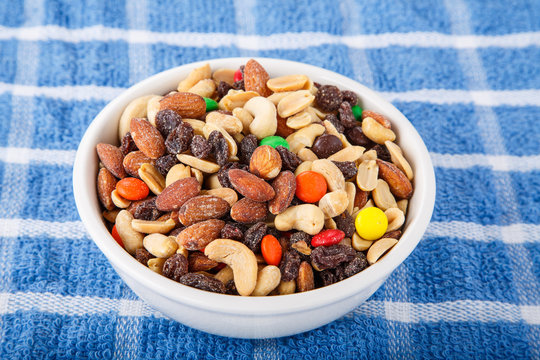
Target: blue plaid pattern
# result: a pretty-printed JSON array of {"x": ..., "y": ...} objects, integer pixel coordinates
[{"x": 467, "y": 75}]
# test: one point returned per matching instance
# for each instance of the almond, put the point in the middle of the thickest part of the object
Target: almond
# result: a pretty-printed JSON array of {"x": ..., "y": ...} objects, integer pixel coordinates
[
  {"x": 133, "y": 161},
  {"x": 147, "y": 138},
  {"x": 377, "y": 117},
  {"x": 111, "y": 157},
  {"x": 199, "y": 262},
  {"x": 185, "y": 104},
  {"x": 176, "y": 194},
  {"x": 398, "y": 182},
  {"x": 255, "y": 78},
  {"x": 265, "y": 162},
  {"x": 305, "y": 280},
  {"x": 360, "y": 198},
  {"x": 197, "y": 236},
  {"x": 284, "y": 186},
  {"x": 248, "y": 211},
  {"x": 250, "y": 185},
  {"x": 203, "y": 207},
  {"x": 283, "y": 129},
  {"x": 106, "y": 183}
]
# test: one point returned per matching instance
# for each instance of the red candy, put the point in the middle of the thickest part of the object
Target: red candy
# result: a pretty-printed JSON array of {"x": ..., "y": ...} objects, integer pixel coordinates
[
  {"x": 237, "y": 75},
  {"x": 328, "y": 238},
  {"x": 132, "y": 189},
  {"x": 310, "y": 186},
  {"x": 116, "y": 236},
  {"x": 271, "y": 250}
]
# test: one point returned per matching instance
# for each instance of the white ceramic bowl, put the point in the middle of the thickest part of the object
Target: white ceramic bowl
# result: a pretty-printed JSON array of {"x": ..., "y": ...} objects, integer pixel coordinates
[{"x": 251, "y": 317}]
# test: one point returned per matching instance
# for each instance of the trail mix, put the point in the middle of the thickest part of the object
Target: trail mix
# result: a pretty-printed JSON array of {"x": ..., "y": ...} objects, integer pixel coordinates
[{"x": 242, "y": 184}]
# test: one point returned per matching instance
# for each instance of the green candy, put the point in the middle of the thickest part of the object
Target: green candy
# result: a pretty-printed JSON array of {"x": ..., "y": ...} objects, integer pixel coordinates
[
  {"x": 357, "y": 112},
  {"x": 275, "y": 141},
  {"x": 210, "y": 104}
]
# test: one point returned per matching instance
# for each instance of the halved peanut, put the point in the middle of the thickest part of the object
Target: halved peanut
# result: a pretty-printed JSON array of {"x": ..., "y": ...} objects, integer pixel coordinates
[
  {"x": 232, "y": 146},
  {"x": 360, "y": 244},
  {"x": 313, "y": 110},
  {"x": 132, "y": 239},
  {"x": 287, "y": 83},
  {"x": 366, "y": 178},
  {"x": 329, "y": 223},
  {"x": 396, "y": 218},
  {"x": 369, "y": 155},
  {"x": 135, "y": 109},
  {"x": 225, "y": 275},
  {"x": 334, "y": 203},
  {"x": 396, "y": 154},
  {"x": 203, "y": 165},
  {"x": 245, "y": 117},
  {"x": 229, "y": 123},
  {"x": 119, "y": 201},
  {"x": 110, "y": 215},
  {"x": 212, "y": 182},
  {"x": 306, "y": 154},
  {"x": 350, "y": 189},
  {"x": 150, "y": 227},
  {"x": 197, "y": 174},
  {"x": 376, "y": 132},
  {"x": 402, "y": 205},
  {"x": 156, "y": 265},
  {"x": 378, "y": 249},
  {"x": 382, "y": 196},
  {"x": 300, "y": 120},
  {"x": 304, "y": 166},
  {"x": 152, "y": 177},
  {"x": 226, "y": 75},
  {"x": 236, "y": 98},
  {"x": 160, "y": 246},
  {"x": 227, "y": 194},
  {"x": 276, "y": 97},
  {"x": 350, "y": 153},
  {"x": 268, "y": 279},
  {"x": 330, "y": 128},
  {"x": 197, "y": 125},
  {"x": 196, "y": 75},
  {"x": 177, "y": 172},
  {"x": 152, "y": 108},
  {"x": 294, "y": 103},
  {"x": 204, "y": 88},
  {"x": 287, "y": 287},
  {"x": 332, "y": 174}
]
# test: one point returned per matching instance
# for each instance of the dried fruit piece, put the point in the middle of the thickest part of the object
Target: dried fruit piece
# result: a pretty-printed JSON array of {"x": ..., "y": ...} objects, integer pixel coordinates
[
  {"x": 201, "y": 208},
  {"x": 350, "y": 97},
  {"x": 247, "y": 147},
  {"x": 265, "y": 162},
  {"x": 328, "y": 257},
  {"x": 142, "y": 256},
  {"x": 285, "y": 187},
  {"x": 111, "y": 157},
  {"x": 145, "y": 210},
  {"x": 166, "y": 121},
  {"x": 185, "y": 104},
  {"x": 290, "y": 161},
  {"x": 199, "y": 262},
  {"x": 248, "y": 211},
  {"x": 254, "y": 235},
  {"x": 348, "y": 168},
  {"x": 179, "y": 138},
  {"x": 382, "y": 152},
  {"x": 345, "y": 223},
  {"x": 176, "y": 194},
  {"x": 255, "y": 78},
  {"x": 147, "y": 138},
  {"x": 202, "y": 282},
  {"x": 197, "y": 236},
  {"x": 175, "y": 266},
  {"x": 219, "y": 147},
  {"x": 346, "y": 116},
  {"x": 328, "y": 98},
  {"x": 250, "y": 185},
  {"x": 289, "y": 266},
  {"x": 232, "y": 231},
  {"x": 106, "y": 183},
  {"x": 200, "y": 147},
  {"x": 356, "y": 136},
  {"x": 127, "y": 144},
  {"x": 164, "y": 163},
  {"x": 335, "y": 121}
]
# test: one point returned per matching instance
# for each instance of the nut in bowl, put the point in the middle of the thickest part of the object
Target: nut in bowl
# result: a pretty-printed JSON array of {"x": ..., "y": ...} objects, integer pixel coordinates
[{"x": 272, "y": 185}]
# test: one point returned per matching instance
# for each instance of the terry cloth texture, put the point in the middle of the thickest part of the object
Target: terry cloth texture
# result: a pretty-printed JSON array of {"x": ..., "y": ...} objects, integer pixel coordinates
[{"x": 467, "y": 75}]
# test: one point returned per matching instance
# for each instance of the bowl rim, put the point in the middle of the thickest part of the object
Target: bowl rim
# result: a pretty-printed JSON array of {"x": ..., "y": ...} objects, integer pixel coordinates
[{"x": 249, "y": 306}]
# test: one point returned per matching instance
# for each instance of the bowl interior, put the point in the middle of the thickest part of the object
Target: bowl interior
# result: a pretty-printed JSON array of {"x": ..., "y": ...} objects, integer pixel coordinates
[{"x": 104, "y": 129}]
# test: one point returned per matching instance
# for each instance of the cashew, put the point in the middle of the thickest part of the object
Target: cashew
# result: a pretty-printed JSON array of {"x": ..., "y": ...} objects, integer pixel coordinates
[
  {"x": 232, "y": 146},
  {"x": 351, "y": 153},
  {"x": 376, "y": 132},
  {"x": 151, "y": 227},
  {"x": 240, "y": 258},
  {"x": 287, "y": 83},
  {"x": 226, "y": 194},
  {"x": 350, "y": 189},
  {"x": 294, "y": 103},
  {"x": 396, "y": 218},
  {"x": 402, "y": 205},
  {"x": 132, "y": 239},
  {"x": 306, "y": 217},
  {"x": 152, "y": 108},
  {"x": 378, "y": 249},
  {"x": 245, "y": 117},
  {"x": 304, "y": 166},
  {"x": 382, "y": 196},
  {"x": 304, "y": 137},
  {"x": 360, "y": 244},
  {"x": 268, "y": 279},
  {"x": 196, "y": 75},
  {"x": 156, "y": 265},
  {"x": 152, "y": 177},
  {"x": 135, "y": 109},
  {"x": 110, "y": 215},
  {"x": 118, "y": 200},
  {"x": 204, "y": 88},
  {"x": 366, "y": 177},
  {"x": 397, "y": 158},
  {"x": 287, "y": 287},
  {"x": 300, "y": 120},
  {"x": 197, "y": 125},
  {"x": 229, "y": 123},
  {"x": 160, "y": 245},
  {"x": 226, "y": 75},
  {"x": 334, "y": 203},
  {"x": 275, "y": 98},
  {"x": 332, "y": 174},
  {"x": 306, "y": 154},
  {"x": 225, "y": 275},
  {"x": 177, "y": 172},
  {"x": 264, "y": 117},
  {"x": 236, "y": 98},
  {"x": 203, "y": 165}
]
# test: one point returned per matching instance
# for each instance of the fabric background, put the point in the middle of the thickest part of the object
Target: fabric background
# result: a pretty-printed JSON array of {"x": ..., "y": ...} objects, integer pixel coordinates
[{"x": 467, "y": 75}]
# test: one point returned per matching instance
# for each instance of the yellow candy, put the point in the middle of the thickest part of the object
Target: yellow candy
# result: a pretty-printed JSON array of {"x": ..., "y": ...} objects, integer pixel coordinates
[{"x": 371, "y": 223}]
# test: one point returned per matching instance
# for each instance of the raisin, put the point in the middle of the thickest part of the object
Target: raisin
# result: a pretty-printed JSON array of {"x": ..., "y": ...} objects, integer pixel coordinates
[
  {"x": 326, "y": 145},
  {"x": 328, "y": 98},
  {"x": 346, "y": 116},
  {"x": 247, "y": 147},
  {"x": 239, "y": 85},
  {"x": 335, "y": 121},
  {"x": 395, "y": 234},
  {"x": 356, "y": 136},
  {"x": 274, "y": 232},
  {"x": 347, "y": 168},
  {"x": 301, "y": 236},
  {"x": 231, "y": 231},
  {"x": 142, "y": 256},
  {"x": 200, "y": 147},
  {"x": 326, "y": 277},
  {"x": 350, "y": 97},
  {"x": 253, "y": 236},
  {"x": 382, "y": 152},
  {"x": 241, "y": 68},
  {"x": 328, "y": 257},
  {"x": 202, "y": 282},
  {"x": 223, "y": 173},
  {"x": 356, "y": 265},
  {"x": 219, "y": 147},
  {"x": 164, "y": 163},
  {"x": 345, "y": 223},
  {"x": 230, "y": 288},
  {"x": 289, "y": 160},
  {"x": 289, "y": 266},
  {"x": 175, "y": 266},
  {"x": 197, "y": 261},
  {"x": 166, "y": 121},
  {"x": 179, "y": 139},
  {"x": 127, "y": 144},
  {"x": 222, "y": 89},
  {"x": 147, "y": 210},
  {"x": 296, "y": 201}
]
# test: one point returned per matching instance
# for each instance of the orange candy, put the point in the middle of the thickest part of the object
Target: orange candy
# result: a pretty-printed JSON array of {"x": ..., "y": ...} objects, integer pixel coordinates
[
  {"x": 132, "y": 189},
  {"x": 116, "y": 236},
  {"x": 271, "y": 250},
  {"x": 310, "y": 186}
]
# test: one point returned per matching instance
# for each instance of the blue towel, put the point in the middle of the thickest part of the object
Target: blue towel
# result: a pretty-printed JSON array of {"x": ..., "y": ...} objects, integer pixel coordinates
[{"x": 465, "y": 72}]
